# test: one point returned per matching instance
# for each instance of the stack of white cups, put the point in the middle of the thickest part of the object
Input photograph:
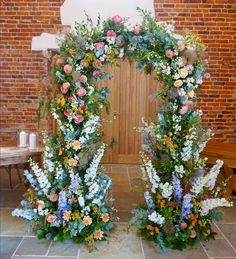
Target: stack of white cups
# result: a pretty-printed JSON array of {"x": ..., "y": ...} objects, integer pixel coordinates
[{"x": 27, "y": 140}]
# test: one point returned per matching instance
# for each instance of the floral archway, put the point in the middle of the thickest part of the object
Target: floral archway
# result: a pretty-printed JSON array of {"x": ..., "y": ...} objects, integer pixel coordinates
[{"x": 68, "y": 197}]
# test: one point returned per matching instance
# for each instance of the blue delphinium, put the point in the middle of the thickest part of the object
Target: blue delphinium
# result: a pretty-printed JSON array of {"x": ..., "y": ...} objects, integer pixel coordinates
[
  {"x": 149, "y": 201},
  {"x": 186, "y": 205},
  {"x": 62, "y": 202},
  {"x": 178, "y": 190}
]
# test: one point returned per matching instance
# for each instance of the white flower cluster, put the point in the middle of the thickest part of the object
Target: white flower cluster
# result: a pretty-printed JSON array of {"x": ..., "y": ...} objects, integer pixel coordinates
[
  {"x": 156, "y": 218},
  {"x": 41, "y": 177},
  {"x": 92, "y": 170},
  {"x": 210, "y": 204},
  {"x": 166, "y": 190},
  {"x": 59, "y": 171},
  {"x": 187, "y": 151},
  {"x": 179, "y": 171},
  {"x": 213, "y": 174},
  {"x": 88, "y": 129},
  {"x": 176, "y": 120},
  {"x": 151, "y": 172}
]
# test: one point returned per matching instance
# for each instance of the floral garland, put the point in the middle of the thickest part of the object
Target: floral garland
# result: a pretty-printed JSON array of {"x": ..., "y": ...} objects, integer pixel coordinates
[{"x": 68, "y": 199}]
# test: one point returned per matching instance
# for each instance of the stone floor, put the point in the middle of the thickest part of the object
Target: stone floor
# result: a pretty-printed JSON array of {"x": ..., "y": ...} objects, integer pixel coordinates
[{"x": 16, "y": 242}]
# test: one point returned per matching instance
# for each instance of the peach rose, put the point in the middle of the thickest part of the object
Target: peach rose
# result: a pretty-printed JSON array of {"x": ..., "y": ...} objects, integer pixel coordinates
[
  {"x": 76, "y": 145},
  {"x": 183, "y": 225},
  {"x": 66, "y": 215},
  {"x": 79, "y": 118},
  {"x": 67, "y": 68},
  {"x": 51, "y": 218},
  {"x": 169, "y": 53},
  {"x": 117, "y": 19},
  {"x": 65, "y": 87},
  {"x": 53, "y": 197},
  {"x": 105, "y": 217},
  {"x": 72, "y": 162}
]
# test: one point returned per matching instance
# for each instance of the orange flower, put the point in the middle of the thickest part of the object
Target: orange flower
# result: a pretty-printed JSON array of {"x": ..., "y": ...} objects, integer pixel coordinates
[
  {"x": 162, "y": 204},
  {"x": 87, "y": 220},
  {"x": 66, "y": 215},
  {"x": 193, "y": 233},
  {"x": 105, "y": 217},
  {"x": 72, "y": 52},
  {"x": 72, "y": 199},
  {"x": 98, "y": 234},
  {"x": 53, "y": 197},
  {"x": 75, "y": 216},
  {"x": 72, "y": 162},
  {"x": 149, "y": 227},
  {"x": 76, "y": 145},
  {"x": 156, "y": 229}
]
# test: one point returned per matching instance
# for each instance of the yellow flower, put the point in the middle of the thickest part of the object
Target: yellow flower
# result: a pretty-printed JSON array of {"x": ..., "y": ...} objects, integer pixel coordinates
[
  {"x": 76, "y": 145},
  {"x": 66, "y": 215},
  {"x": 191, "y": 94},
  {"x": 98, "y": 234},
  {"x": 61, "y": 101},
  {"x": 87, "y": 220},
  {"x": 178, "y": 83},
  {"x": 72, "y": 162},
  {"x": 72, "y": 52},
  {"x": 183, "y": 72}
]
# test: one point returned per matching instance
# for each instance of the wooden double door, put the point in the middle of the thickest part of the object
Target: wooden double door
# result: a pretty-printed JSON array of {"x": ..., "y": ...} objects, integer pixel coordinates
[{"x": 133, "y": 96}]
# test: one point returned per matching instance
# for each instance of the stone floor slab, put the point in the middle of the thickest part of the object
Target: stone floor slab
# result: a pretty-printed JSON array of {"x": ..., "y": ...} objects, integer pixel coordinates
[
  {"x": 33, "y": 246},
  {"x": 43, "y": 257},
  {"x": 152, "y": 251},
  {"x": 229, "y": 215},
  {"x": 219, "y": 248},
  {"x": 10, "y": 225},
  {"x": 65, "y": 248},
  {"x": 229, "y": 230},
  {"x": 121, "y": 246},
  {"x": 8, "y": 246}
]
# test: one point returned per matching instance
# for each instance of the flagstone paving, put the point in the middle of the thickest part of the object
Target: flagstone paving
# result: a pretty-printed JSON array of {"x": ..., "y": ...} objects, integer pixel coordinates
[{"x": 17, "y": 243}]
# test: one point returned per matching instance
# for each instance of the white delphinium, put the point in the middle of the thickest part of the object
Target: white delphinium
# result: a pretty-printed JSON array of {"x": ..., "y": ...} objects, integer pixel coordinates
[
  {"x": 213, "y": 174},
  {"x": 81, "y": 201},
  {"x": 156, "y": 218},
  {"x": 166, "y": 190},
  {"x": 92, "y": 170},
  {"x": 186, "y": 153},
  {"x": 179, "y": 170},
  {"x": 210, "y": 204},
  {"x": 41, "y": 177},
  {"x": 89, "y": 128},
  {"x": 151, "y": 172},
  {"x": 202, "y": 145},
  {"x": 59, "y": 171}
]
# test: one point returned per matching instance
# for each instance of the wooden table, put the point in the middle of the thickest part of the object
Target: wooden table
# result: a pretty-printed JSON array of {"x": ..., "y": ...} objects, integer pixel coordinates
[
  {"x": 226, "y": 152},
  {"x": 15, "y": 155}
]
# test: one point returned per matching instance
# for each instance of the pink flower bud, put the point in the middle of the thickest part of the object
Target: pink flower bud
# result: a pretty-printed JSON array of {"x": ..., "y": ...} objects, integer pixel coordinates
[
  {"x": 137, "y": 30},
  {"x": 117, "y": 19},
  {"x": 183, "y": 110},
  {"x": 67, "y": 68},
  {"x": 81, "y": 92},
  {"x": 111, "y": 33},
  {"x": 99, "y": 45},
  {"x": 96, "y": 73},
  {"x": 70, "y": 99},
  {"x": 183, "y": 225},
  {"x": 169, "y": 53},
  {"x": 67, "y": 113},
  {"x": 79, "y": 118}
]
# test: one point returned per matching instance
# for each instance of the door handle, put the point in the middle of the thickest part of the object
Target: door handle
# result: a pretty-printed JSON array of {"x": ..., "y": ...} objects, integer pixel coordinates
[{"x": 115, "y": 114}]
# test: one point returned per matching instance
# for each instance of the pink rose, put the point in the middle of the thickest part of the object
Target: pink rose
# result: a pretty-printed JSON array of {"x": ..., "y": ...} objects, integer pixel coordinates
[
  {"x": 70, "y": 99},
  {"x": 83, "y": 79},
  {"x": 67, "y": 69},
  {"x": 169, "y": 53},
  {"x": 183, "y": 225},
  {"x": 51, "y": 218},
  {"x": 137, "y": 30},
  {"x": 189, "y": 104},
  {"x": 111, "y": 33},
  {"x": 193, "y": 233},
  {"x": 53, "y": 197},
  {"x": 180, "y": 45},
  {"x": 79, "y": 118},
  {"x": 67, "y": 113},
  {"x": 59, "y": 62},
  {"x": 65, "y": 87},
  {"x": 117, "y": 19},
  {"x": 96, "y": 73},
  {"x": 81, "y": 92},
  {"x": 183, "y": 110},
  {"x": 99, "y": 45}
]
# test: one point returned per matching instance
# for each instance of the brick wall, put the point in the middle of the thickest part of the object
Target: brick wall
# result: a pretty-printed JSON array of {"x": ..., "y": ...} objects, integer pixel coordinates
[
  {"x": 23, "y": 69},
  {"x": 215, "y": 22}
]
